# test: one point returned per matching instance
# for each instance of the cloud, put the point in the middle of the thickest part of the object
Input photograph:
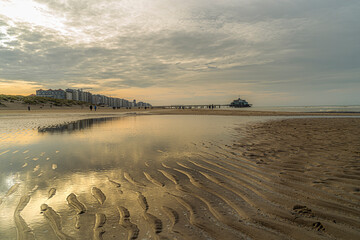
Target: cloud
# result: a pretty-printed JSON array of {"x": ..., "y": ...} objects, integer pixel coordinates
[{"x": 257, "y": 46}]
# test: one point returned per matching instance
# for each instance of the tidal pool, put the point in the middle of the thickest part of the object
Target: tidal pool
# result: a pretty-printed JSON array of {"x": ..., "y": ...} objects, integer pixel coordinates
[{"x": 141, "y": 164}]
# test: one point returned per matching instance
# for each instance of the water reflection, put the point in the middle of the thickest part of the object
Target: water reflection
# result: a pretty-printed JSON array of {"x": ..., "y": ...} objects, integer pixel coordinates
[
  {"x": 133, "y": 151},
  {"x": 75, "y": 126}
]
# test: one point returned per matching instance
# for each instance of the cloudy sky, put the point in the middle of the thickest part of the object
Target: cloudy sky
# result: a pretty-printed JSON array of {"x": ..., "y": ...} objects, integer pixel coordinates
[{"x": 270, "y": 52}]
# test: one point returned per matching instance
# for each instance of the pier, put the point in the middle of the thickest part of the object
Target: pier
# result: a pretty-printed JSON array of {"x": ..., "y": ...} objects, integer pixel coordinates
[{"x": 197, "y": 106}]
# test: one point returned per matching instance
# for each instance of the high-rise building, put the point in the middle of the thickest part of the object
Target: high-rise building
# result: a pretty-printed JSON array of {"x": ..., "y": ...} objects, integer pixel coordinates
[
  {"x": 58, "y": 94},
  {"x": 80, "y": 95}
]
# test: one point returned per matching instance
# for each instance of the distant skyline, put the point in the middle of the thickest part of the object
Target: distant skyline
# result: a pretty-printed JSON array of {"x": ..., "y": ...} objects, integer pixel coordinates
[{"x": 269, "y": 52}]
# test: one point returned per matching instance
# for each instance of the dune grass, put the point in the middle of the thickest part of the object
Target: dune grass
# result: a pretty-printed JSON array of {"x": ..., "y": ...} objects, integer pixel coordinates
[{"x": 34, "y": 100}]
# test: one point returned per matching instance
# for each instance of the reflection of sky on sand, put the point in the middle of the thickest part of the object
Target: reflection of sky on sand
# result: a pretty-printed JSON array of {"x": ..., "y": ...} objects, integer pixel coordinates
[{"x": 88, "y": 155}]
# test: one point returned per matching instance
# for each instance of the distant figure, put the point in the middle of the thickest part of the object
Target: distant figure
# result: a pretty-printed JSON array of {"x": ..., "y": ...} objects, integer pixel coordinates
[
  {"x": 114, "y": 108},
  {"x": 29, "y": 108},
  {"x": 90, "y": 107},
  {"x": 95, "y": 107}
]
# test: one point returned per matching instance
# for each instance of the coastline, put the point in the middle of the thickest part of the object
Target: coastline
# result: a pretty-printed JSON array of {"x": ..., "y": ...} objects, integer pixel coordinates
[{"x": 79, "y": 110}]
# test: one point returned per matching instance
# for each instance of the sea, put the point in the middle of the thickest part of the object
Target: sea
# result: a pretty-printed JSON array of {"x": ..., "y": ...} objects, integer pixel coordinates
[{"x": 314, "y": 109}]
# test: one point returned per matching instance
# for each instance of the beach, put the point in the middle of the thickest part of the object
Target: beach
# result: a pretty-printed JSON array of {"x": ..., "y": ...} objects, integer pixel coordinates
[{"x": 180, "y": 174}]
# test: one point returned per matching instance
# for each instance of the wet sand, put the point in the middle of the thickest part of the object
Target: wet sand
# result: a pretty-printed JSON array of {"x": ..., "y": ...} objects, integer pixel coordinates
[{"x": 281, "y": 179}]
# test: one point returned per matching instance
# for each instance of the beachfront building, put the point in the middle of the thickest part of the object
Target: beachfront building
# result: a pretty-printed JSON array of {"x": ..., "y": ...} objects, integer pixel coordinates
[
  {"x": 86, "y": 97},
  {"x": 72, "y": 94},
  {"x": 96, "y": 99},
  {"x": 58, "y": 94},
  {"x": 69, "y": 95}
]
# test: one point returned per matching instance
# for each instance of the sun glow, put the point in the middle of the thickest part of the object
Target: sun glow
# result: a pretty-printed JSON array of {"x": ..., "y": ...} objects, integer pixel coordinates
[
  {"x": 31, "y": 12},
  {"x": 16, "y": 87}
]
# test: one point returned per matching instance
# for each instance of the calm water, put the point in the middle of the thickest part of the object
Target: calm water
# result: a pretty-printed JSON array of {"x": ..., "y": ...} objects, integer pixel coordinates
[
  {"x": 76, "y": 156},
  {"x": 341, "y": 109}
]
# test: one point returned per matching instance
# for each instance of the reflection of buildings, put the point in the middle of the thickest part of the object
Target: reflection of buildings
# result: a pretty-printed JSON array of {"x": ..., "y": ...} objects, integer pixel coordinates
[
  {"x": 74, "y": 126},
  {"x": 97, "y": 99}
]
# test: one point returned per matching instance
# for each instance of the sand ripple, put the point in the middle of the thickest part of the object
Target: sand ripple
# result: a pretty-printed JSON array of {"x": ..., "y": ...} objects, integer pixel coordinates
[
  {"x": 75, "y": 204},
  {"x": 98, "y": 195},
  {"x": 54, "y": 221}
]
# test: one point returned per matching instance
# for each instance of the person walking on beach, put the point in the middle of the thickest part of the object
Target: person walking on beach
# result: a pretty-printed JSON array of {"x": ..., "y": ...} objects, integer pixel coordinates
[
  {"x": 90, "y": 107},
  {"x": 29, "y": 108},
  {"x": 95, "y": 108}
]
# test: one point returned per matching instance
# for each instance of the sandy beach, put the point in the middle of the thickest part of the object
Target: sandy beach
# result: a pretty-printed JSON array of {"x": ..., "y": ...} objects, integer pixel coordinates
[{"x": 295, "y": 178}]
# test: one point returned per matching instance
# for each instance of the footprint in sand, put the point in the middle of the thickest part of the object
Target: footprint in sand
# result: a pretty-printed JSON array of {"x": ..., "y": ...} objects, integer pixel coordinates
[
  {"x": 318, "y": 226},
  {"x": 303, "y": 210}
]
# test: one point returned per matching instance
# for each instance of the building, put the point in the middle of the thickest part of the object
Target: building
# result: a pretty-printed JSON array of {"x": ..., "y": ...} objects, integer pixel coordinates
[
  {"x": 97, "y": 99},
  {"x": 58, "y": 94},
  {"x": 69, "y": 95},
  {"x": 73, "y": 93},
  {"x": 239, "y": 103}
]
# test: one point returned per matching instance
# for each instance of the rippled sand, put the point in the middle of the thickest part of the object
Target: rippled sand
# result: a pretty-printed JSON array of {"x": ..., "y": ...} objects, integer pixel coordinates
[{"x": 286, "y": 179}]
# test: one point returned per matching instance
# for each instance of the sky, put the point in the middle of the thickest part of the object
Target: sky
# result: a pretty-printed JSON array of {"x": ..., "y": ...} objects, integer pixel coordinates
[{"x": 270, "y": 52}]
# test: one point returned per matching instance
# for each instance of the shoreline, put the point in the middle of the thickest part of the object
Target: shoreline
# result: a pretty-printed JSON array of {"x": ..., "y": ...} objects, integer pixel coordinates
[{"x": 78, "y": 110}]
